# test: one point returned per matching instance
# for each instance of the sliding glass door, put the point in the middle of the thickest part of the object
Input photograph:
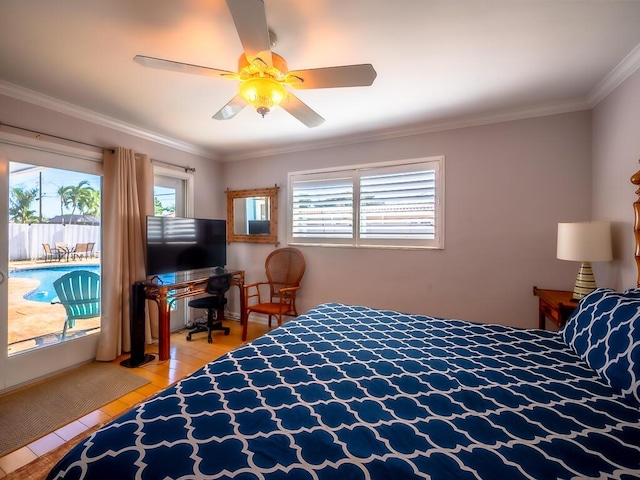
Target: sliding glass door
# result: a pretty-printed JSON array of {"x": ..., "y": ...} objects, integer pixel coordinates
[
  {"x": 173, "y": 197},
  {"x": 50, "y": 217}
]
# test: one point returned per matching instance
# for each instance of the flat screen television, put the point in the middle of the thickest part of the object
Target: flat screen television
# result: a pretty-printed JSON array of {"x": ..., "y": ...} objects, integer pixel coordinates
[
  {"x": 176, "y": 244},
  {"x": 259, "y": 227}
]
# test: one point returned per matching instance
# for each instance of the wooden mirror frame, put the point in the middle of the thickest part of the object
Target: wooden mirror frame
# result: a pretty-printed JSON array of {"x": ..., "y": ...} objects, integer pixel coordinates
[{"x": 272, "y": 194}]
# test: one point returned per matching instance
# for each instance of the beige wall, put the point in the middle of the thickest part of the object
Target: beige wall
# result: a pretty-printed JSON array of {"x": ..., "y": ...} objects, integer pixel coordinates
[
  {"x": 616, "y": 152},
  {"x": 507, "y": 187}
]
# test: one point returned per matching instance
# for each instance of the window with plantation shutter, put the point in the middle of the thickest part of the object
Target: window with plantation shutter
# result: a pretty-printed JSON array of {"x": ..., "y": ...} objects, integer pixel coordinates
[
  {"x": 323, "y": 209},
  {"x": 395, "y": 204}
]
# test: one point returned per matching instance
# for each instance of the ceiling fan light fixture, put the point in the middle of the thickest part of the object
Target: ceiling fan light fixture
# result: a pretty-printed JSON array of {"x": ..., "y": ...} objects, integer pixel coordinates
[
  {"x": 262, "y": 93},
  {"x": 265, "y": 80}
]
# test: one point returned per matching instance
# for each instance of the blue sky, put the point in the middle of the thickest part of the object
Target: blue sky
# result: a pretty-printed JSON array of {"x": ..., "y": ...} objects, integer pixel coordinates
[{"x": 30, "y": 176}]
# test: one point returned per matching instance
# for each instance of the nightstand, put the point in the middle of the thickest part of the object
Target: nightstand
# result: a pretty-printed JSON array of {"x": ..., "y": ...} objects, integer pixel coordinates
[{"x": 556, "y": 305}]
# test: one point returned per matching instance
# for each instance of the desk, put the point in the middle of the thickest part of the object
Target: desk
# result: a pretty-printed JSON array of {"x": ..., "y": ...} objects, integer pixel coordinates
[{"x": 192, "y": 284}]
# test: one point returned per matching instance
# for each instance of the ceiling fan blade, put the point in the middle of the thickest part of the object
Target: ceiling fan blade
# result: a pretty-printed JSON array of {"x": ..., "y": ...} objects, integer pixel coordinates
[
  {"x": 232, "y": 108},
  {"x": 301, "y": 111},
  {"x": 181, "y": 67},
  {"x": 250, "y": 19},
  {"x": 361, "y": 75}
]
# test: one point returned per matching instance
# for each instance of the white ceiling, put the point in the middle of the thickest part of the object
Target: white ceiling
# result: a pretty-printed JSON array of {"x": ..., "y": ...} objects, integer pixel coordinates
[{"x": 439, "y": 63}]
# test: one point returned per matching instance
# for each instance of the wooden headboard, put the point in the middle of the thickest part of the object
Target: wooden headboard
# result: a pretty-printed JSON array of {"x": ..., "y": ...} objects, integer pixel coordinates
[{"x": 635, "y": 179}]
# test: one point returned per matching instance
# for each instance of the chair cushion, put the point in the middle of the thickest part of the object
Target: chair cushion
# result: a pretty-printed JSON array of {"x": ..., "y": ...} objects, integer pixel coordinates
[
  {"x": 212, "y": 301},
  {"x": 605, "y": 332}
]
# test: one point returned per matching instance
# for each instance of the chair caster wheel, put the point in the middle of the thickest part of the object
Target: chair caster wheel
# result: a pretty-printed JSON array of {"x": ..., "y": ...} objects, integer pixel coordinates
[
  {"x": 226, "y": 332},
  {"x": 188, "y": 338},
  {"x": 210, "y": 340}
]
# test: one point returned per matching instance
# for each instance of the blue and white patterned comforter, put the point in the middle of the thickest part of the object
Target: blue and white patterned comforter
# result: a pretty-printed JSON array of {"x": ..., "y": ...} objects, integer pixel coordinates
[{"x": 347, "y": 392}]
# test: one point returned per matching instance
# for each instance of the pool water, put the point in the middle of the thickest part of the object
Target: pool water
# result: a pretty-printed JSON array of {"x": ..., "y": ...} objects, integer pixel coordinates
[{"x": 45, "y": 292}]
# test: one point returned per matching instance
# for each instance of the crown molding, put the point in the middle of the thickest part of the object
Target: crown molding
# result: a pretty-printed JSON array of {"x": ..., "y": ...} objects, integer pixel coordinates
[
  {"x": 50, "y": 103},
  {"x": 619, "y": 74},
  {"x": 555, "y": 108}
]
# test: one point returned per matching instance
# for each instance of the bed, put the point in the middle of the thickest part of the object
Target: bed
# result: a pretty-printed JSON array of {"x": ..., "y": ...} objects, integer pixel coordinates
[{"x": 350, "y": 392}]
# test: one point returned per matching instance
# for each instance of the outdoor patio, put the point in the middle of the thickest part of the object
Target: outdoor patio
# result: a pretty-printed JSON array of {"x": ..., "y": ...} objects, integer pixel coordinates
[{"x": 35, "y": 324}]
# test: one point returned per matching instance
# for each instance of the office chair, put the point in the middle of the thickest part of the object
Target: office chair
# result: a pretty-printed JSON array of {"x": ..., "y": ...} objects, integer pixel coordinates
[{"x": 217, "y": 286}]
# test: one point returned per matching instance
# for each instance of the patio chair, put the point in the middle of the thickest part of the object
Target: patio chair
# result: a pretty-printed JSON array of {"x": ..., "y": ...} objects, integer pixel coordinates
[
  {"x": 79, "y": 293},
  {"x": 81, "y": 250},
  {"x": 50, "y": 254}
]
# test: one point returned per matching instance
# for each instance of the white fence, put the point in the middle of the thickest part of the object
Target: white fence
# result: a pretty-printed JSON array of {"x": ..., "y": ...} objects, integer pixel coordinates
[{"x": 25, "y": 241}]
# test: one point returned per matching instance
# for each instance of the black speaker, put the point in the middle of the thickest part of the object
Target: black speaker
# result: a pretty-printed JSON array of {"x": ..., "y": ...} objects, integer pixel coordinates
[{"x": 136, "y": 320}]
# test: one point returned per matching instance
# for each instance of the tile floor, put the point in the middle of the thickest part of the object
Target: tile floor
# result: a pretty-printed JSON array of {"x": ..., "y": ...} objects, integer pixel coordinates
[{"x": 186, "y": 358}]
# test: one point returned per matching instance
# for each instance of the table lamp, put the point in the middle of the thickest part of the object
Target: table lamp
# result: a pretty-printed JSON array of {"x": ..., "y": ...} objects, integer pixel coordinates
[{"x": 584, "y": 242}]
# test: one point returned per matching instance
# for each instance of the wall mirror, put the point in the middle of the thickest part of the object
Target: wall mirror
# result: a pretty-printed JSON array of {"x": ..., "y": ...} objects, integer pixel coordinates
[{"x": 252, "y": 215}]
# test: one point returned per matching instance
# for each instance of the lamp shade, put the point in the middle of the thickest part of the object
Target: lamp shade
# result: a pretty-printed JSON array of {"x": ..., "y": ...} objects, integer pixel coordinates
[{"x": 584, "y": 241}]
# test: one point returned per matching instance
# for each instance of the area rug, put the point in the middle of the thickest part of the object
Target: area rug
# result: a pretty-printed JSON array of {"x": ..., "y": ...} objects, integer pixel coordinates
[{"x": 32, "y": 412}]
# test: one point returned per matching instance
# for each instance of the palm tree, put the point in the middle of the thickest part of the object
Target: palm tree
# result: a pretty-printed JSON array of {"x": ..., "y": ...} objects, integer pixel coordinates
[
  {"x": 82, "y": 198},
  {"x": 63, "y": 193},
  {"x": 19, "y": 202},
  {"x": 161, "y": 210},
  {"x": 89, "y": 201}
]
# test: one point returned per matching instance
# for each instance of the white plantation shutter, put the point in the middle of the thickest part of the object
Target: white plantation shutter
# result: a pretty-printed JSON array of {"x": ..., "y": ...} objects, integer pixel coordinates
[
  {"x": 398, "y": 205},
  {"x": 322, "y": 209},
  {"x": 395, "y": 204}
]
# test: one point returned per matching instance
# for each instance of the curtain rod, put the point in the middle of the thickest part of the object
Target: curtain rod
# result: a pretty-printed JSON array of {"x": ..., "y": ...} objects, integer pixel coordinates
[
  {"x": 186, "y": 169},
  {"x": 111, "y": 150},
  {"x": 37, "y": 135}
]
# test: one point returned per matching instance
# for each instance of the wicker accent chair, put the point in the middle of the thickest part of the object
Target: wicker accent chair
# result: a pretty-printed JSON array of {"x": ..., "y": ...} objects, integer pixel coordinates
[{"x": 276, "y": 297}]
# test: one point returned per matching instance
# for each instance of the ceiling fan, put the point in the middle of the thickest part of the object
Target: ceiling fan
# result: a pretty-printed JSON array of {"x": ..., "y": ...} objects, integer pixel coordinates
[{"x": 263, "y": 74}]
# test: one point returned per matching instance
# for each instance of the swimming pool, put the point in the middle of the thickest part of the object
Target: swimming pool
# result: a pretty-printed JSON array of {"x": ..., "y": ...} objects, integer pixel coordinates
[{"x": 45, "y": 292}]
